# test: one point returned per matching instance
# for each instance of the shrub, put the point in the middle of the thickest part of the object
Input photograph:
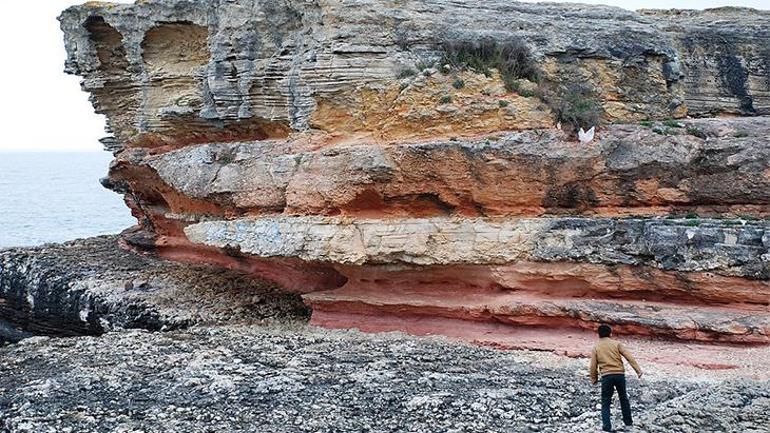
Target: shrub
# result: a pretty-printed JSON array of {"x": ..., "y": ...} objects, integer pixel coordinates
[
  {"x": 407, "y": 72},
  {"x": 511, "y": 58},
  {"x": 665, "y": 130},
  {"x": 696, "y": 132},
  {"x": 445, "y": 99},
  {"x": 401, "y": 37},
  {"x": 458, "y": 84},
  {"x": 575, "y": 105},
  {"x": 741, "y": 133},
  {"x": 527, "y": 93},
  {"x": 422, "y": 65},
  {"x": 646, "y": 123},
  {"x": 671, "y": 123},
  {"x": 503, "y": 103}
]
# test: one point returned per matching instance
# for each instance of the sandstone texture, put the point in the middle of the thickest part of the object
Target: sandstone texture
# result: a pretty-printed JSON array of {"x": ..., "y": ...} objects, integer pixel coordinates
[
  {"x": 413, "y": 165},
  {"x": 405, "y": 166},
  {"x": 706, "y": 166},
  {"x": 183, "y": 72}
]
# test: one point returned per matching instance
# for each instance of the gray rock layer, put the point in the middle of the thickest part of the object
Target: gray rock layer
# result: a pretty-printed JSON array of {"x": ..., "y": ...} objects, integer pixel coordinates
[
  {"x": 92, "y": 285},
  {"x": 727, "y": 54},
  {"x": 729, "y": 247}
]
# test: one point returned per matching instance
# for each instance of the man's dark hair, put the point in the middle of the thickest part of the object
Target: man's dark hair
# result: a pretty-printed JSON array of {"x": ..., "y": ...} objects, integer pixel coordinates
[{"x": 605, "y": 331}]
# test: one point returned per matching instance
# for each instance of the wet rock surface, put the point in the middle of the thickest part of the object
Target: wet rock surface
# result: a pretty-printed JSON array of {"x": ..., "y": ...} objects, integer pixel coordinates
[
  {"x": 93, "y": 285},
  {"x": 290, "y": 378}
]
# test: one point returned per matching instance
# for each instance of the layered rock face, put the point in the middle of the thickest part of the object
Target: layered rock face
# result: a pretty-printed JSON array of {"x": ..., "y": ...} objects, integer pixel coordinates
[
  {"x": 411, "y": 165},
  {"x": 728, "y": 52}
]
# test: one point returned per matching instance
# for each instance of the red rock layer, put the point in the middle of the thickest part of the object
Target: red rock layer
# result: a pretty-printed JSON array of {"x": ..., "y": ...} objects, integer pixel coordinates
[
  {"x": 639, "y": 301},
  {"x": 666, "y": 354}
]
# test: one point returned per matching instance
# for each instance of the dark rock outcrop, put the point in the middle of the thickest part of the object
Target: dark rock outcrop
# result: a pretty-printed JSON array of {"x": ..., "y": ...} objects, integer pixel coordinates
[
  {"x": 725, "y": 56},
  {"x": 92, "y": 286}
]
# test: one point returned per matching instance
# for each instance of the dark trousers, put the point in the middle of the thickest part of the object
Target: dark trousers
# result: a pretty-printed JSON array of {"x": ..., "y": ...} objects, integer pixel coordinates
[{"x": 611, "y": 382}]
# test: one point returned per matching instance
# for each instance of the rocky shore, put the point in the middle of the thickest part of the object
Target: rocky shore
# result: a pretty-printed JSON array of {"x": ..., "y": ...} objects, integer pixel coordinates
[
  {"x": 236, "y": 355},
  {"x": 307, "y": 170},
  {"x": 289, "y": 378},
  {"x": 89, "y": 286}
]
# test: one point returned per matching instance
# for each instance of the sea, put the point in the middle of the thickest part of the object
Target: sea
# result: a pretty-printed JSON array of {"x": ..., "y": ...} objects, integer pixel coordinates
[{"x": 55, "y": 197}]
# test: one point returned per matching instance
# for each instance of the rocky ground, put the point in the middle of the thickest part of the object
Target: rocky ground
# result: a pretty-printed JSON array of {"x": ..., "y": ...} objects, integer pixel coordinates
[
  {"x": 90, "y": 286},
  {"x": 289, "y": 378},
  {"x": 237, "y": 356}
]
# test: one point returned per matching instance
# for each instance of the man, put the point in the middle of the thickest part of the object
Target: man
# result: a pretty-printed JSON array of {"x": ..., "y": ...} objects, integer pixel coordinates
[{"x": 607, "y": 360}]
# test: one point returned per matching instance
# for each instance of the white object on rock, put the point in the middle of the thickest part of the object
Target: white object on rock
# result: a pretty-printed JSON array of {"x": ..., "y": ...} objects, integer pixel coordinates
[{"x": 586, "y": 137}]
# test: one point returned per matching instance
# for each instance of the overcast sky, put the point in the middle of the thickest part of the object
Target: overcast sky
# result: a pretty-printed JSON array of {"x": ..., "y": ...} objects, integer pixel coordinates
[{"x": 43, "y": 109}]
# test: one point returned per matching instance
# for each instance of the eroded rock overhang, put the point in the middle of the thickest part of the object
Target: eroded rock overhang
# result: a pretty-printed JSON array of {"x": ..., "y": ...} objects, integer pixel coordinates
[
  {"x": 340, "y": 150},
  {"x": 176, "y": 73}
]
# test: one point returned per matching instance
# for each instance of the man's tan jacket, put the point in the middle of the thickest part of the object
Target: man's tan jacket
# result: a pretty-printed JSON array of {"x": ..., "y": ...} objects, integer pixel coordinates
[{"x": 607, "y": 358}]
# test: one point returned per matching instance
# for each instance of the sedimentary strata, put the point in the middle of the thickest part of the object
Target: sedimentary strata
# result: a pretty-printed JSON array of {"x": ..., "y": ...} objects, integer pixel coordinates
[
  {"x": 725, "y": 247},
  {"x": 414, "y": 163},
  {"x": 509, "y": 271},
  {"x": 191, "y": 72},
  {"x": 727, "y": 52},
  {"x": 708, "y": 167}
]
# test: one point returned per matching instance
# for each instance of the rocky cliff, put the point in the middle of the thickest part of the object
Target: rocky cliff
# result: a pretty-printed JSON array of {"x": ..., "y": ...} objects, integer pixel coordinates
[{"x": 412, "y": 165}]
